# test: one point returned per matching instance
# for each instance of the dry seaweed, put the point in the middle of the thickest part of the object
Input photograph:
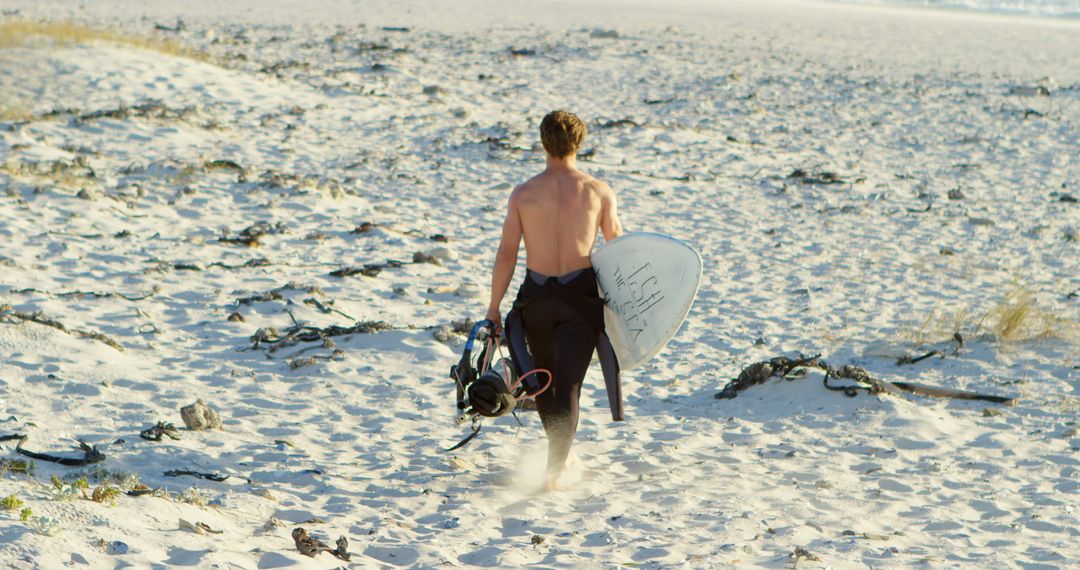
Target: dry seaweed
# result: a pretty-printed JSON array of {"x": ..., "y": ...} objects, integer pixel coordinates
[
  {"x": 11, "y": 316},
  {"x": 91, "y": 454},
  {"x": 788, "y": 368}
]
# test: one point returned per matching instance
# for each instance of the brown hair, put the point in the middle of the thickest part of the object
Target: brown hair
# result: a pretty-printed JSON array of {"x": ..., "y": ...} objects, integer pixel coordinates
[{"x": 562, "y": 133}]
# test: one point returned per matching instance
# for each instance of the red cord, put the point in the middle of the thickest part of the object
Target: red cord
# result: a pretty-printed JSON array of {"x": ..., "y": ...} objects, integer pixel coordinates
[
  {"x": 506, "y": 372},
  {"x": 529, "y": 373},
  {"x": 487, "y": 350}
]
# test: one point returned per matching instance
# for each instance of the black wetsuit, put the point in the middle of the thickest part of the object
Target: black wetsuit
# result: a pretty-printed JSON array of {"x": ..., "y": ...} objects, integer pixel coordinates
[{"x": 562, "y": 319}]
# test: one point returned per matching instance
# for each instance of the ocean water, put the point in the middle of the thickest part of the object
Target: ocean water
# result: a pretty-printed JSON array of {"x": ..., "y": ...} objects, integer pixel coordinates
[{"x": 1043, "y": 8}]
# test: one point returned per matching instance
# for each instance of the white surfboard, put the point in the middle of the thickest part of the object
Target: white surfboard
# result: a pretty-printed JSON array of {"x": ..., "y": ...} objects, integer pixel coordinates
[{"x": 649, "y": 282}]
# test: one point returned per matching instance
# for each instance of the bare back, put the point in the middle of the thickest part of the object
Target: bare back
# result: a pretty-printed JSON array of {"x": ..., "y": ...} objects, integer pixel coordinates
[
  {"x": 561, "y": 211},
  {"x": 558, "y": 213}
]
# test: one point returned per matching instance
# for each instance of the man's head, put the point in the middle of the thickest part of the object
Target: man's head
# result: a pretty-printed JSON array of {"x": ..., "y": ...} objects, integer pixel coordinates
[{"x": 562, "y": 133}]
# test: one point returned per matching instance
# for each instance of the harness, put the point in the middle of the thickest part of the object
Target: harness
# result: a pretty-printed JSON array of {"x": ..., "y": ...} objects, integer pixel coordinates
[{"x": 488, "y": 387}]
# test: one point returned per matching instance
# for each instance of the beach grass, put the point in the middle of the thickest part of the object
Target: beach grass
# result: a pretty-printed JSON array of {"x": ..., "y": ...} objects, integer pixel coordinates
[
  {"x": 16, "y": 33},
  {"x": 938, "y": 325},
  {"x": 1016, "y": 317}
]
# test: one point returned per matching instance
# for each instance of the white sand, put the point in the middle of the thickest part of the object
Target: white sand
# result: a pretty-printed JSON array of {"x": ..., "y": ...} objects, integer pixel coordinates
[{"x": 903, "y": 105}]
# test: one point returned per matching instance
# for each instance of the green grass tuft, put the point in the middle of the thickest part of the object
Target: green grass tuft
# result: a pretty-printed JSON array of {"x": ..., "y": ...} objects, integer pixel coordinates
[{"x": 10, "y": 503}]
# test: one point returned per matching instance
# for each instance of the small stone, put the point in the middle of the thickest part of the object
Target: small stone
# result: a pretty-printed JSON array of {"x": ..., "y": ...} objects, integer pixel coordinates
[
  {"x": 956, "y": 194},
  {"x": 421, "y": 257},
  {"x": 199, "y": 416},
  {"x": 363, "y": 228},
  {"x": 443, "y": 334},
  {"x": 469, "y": 291},
  {"x": 236, "y": 317},
  {"x": 85, "y": 194},
  {"x": 266, "y": 494},
  {"x": 823, "y": 484},
  {"x": 1071, "y": 432},
  {"x": 537, "y": 540},
  {"x": 463, "y": 326},
  {"x": 273, "y": 523},
  {"x": 801, "y": 553},
  {"x": 189, "y": 526},
  {"x": 117, "y": 547},
  {"x": 981, "y": 221},
  {"x": 992, "y": 412},
  {"x": 400, "y": 291},
  {"x": 302, "y": 362},
  {"x": 601, "y": 34},
  {"x": 433, "y": 90},
  {"x": 442, "y": 253}
]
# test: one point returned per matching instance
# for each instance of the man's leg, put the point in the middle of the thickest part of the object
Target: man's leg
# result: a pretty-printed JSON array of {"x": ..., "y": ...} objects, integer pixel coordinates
[{"x": 558, "y": 406}]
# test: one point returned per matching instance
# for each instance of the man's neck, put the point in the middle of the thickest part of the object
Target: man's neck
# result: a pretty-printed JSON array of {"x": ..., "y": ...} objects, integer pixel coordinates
[{"x": 566, "y": 163}]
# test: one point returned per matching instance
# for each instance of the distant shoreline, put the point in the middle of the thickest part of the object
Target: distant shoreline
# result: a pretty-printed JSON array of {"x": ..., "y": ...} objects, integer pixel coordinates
[
  {"x": 959, "y": 8},
  {"x": 479, "y": 14}
]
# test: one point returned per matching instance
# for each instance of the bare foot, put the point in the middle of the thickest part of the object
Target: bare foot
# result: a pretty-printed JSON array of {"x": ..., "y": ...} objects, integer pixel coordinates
[{"x": 553, "y": 483}]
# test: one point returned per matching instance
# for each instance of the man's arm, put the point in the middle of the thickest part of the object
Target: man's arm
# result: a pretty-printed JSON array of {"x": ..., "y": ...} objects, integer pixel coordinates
[
  {"x": 609, "y": 215},
  {"x": 505, "y": 260}
]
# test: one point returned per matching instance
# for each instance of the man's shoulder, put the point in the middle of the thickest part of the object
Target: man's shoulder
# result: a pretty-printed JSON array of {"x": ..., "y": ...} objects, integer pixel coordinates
[
  {"x": 525, "y": 187},
  {"x": 535, "y": 184},
  {"x": 597, "y": 185}
]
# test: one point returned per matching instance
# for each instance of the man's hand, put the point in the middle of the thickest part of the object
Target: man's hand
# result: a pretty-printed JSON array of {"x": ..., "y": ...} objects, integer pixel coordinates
[{"x": 494, "y": 316}]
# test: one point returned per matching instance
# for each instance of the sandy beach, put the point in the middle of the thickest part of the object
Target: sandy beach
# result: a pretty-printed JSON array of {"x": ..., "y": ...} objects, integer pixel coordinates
[{"x": 183, "y": 189}]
